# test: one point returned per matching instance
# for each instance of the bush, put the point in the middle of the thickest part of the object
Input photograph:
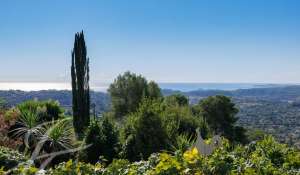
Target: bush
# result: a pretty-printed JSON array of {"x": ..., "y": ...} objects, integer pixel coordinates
[
  {"x": 47, "y": 110},
  {"x": 144, "y": 132},
  {"x": 220, "y": 114},
  {"x": 103, "y": 135},
  {"x": 182, "y": 120},
  {"x": 10, "y": 158},
  {"x": 74, "y": 168}
]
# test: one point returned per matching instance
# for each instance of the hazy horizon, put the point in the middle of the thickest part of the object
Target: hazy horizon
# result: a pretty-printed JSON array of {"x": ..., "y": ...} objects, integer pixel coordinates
[{"x": 102, "y": 87}]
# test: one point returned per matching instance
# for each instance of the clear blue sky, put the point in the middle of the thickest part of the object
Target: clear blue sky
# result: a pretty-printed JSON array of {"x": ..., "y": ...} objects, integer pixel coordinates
[{"x": 165, "y": 40}]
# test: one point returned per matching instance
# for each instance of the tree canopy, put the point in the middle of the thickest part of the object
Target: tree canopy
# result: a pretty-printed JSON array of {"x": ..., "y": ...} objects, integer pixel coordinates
[
  {"x": 220, "y": 114},
  {"x": 127, "y": 92}
]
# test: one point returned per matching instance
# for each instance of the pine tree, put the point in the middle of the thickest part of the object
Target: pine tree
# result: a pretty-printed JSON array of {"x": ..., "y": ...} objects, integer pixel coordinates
[{"x": 80, "y": 85}]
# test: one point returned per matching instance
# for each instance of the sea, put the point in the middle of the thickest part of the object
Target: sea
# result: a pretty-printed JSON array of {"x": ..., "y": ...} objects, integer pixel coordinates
[{"x": 184, "y": 87}]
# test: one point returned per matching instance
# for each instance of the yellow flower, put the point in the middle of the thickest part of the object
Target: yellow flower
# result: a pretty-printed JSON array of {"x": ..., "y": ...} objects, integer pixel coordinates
[
  {"x": 208, "y": 141},
  {"x": 98, "y": 167},
  {"x": 69, "y": 165},
  {"x": 191, "y": 156}
]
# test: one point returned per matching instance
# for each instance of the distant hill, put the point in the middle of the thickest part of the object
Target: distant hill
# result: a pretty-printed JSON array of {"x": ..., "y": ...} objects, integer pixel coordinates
[
  {"x": 277, "y": 93},
  {"x": 275, "y": 110},
  {"x": 14, "y": 97}
]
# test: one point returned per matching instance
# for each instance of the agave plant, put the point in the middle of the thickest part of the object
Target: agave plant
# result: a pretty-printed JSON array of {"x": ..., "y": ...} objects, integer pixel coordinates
[
  {"x": 56, "y": 138},
  {"x": 27, "y": 127},
  {"x": 59, "y": 135}
]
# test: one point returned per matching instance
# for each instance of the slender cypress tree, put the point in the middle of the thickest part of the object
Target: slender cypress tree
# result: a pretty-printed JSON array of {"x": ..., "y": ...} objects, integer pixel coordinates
[{"x": 80, "y": 85}]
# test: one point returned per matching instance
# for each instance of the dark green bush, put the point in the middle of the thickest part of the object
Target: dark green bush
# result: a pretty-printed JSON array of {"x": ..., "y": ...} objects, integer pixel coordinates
[
  {"x": 103, "y": 137},
  {"x": 144, "y": 132}
]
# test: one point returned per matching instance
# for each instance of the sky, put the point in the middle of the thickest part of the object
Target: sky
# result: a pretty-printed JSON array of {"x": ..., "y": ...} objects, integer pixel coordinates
[{"x": 247, "y": 41}]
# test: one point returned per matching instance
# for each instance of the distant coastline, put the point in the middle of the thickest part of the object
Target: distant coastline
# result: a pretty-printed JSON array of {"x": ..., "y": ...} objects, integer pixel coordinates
[{"x": 184, "y": 87}]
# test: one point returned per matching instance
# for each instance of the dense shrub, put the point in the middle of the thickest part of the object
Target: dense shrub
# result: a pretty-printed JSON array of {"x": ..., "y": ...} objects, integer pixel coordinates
[
  {"x": 144, "y": 132},
  {"x": 220, "y": 114},
  {"x": 103, "y": 137},
  {"x": 10, "y": 158},
  {"x": 179, "y": 120}
]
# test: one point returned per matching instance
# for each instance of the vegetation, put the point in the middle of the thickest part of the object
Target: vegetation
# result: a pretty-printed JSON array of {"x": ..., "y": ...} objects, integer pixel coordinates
[
  {"x": 128, "y": 90},
  {"x": 220, "y": 113},
  {"x": 143, "y": 133},
  {"x": 10, "y": 158},
  {"x": 176, "y": 100},
  {"x": 104, "y": 137},
  {"x": 80, "y": 85},
  {"x": 46, "y": 110},
  {"x": 263, "y": 157}
]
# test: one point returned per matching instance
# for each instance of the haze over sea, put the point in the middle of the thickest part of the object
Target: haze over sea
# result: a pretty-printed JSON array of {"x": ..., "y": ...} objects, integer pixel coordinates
[{"x": 36, "y": 86}]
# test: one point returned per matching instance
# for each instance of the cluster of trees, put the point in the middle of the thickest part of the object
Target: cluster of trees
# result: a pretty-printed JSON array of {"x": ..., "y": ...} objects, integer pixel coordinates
[{"x": 152, "y": 123}]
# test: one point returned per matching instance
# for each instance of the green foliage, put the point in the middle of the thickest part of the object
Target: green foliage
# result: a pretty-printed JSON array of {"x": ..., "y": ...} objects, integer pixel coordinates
[
  {"x": 10, "y": 158},
  {"x": 167, "y": 166},
  {"x": 103, "y": 135},
  {"x": 204, "y": 129},
  {"x": 127, "y": 92},
  {"x": 42, "y": 137},
  {"x": 179, "y": 120},
  {"x": 176, "y": 99},
  {"x": 25, "y": 170},
  {"x": 46, "y": 110},
  {"x": 263, "y": 157},
  {"x": 118, "y": 166},
  {"x": 220, "y": 114},
  {"x": 53, "y": 110},
  {"x": 80, "y": 85},
  {"x": 255, "y": 134},
  {"x": 153, "y": 90},
  {"x": 182, "y": 143},
  {"x": 27, "y": 127},
  {"x": 144, "y": 132},
  {"x": 59, "y": 135},
  {"x": 156, "y": 126},
  {"x": 73, "y": 168}
]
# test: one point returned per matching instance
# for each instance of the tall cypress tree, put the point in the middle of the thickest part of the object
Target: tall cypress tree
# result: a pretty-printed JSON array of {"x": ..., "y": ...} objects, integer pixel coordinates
[{"x": 80, "y": 85}]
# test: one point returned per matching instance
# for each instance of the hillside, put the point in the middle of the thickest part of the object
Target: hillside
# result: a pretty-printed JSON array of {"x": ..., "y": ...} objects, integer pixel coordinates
[
  {"x": 275, "y": 110},
  {"x": 14, "y": 97}
]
